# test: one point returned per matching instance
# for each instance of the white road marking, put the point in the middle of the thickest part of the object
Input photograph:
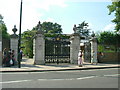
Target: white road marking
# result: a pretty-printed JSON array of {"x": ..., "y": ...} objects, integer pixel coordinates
[
  {"x": 86, "y": 77},
  {"x": 100, "y": 69},
  {"x": 6, "y": 82},
  {"x": 67, "y": 78},
  {"x": 113, "y": 75},
  {"x": 15, "y": 81},
  {"x": 82, "y": 78},
  {"x": 87, "y": 70},
  {"x": 24, "y": 73},
  {"x": 16, "y": 73},
  {"x": 50, "y": 79}
]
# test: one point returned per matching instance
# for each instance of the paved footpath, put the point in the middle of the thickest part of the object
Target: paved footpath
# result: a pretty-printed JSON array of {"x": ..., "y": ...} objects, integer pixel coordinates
[{"x": 28, "y": 66}]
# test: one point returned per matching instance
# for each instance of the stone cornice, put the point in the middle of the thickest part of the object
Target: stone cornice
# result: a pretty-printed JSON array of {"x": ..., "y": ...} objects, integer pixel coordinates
[{"x": 14, "y": 36}]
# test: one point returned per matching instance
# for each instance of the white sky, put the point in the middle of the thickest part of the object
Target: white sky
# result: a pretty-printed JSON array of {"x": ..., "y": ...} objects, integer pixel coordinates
[{"x": 10, "y": 10}]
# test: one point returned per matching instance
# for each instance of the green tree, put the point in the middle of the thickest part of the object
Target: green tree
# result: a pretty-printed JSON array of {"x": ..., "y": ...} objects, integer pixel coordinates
[
  {"x": 1, "y": 19},
  {"x": 110, "y": 39},
  {"x": 83, "y": 29},
  {"x": 107, "y": 37},
  {"x": 3, "y": 28},
  {"x": 27, "y": 42},
  {"x": 50, "y": 27},
  {"x": 115, "y": 7},
  {"x": 50, "y": 30}
]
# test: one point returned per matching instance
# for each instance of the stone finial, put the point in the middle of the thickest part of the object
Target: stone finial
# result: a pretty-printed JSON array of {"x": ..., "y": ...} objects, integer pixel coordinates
[
  {"x": 14, "y": 29},
  {"x": 39, "y": 28},
  {"x": 93, "y": 37},
  {"x": 93, "y": 34},
  {"x": 75, "y": 28},
  {"x": 39, "y": 25}
]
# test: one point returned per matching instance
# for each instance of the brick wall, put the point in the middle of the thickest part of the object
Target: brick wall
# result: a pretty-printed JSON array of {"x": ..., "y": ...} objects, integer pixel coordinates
[{"x": 110, "y": 57}]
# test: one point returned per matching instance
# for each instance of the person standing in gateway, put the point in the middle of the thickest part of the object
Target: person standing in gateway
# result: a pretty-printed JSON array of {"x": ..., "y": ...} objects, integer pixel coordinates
[
  {"x": 80, "y": 60},
  {"x": 21, "y": 52}
]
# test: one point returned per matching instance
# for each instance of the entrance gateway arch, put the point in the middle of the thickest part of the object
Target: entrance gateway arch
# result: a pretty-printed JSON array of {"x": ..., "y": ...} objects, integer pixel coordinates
[{"x": 59, "y": 50}]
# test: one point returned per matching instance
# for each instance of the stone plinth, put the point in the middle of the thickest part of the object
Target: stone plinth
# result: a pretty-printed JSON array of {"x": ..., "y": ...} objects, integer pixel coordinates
[
  {"x": 74, "y": 48},
  {"x": 38, "y": 49}
]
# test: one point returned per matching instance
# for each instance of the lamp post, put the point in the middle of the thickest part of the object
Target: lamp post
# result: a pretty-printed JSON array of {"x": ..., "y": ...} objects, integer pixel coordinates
[
  {"x": 118, "y": 33},
  {"x": 19, "y": 40}
]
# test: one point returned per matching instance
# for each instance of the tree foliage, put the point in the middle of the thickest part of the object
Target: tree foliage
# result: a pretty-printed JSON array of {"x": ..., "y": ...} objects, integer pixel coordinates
[
  {"x": 3, "y": 28},
  {"x": 115, "y": 7},
  {"x": 108, "y": 38},
  {"x": 1, "y": 19},
  {"x": 108, "y": 41},
  {"x": 50, "y": 29},
  {"x": 27, "y": 42},
  {"x": 82, "y": 29}
]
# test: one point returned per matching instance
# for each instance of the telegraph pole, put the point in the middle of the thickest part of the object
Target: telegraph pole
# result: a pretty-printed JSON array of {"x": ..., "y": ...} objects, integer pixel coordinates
[{"x": 19, "y": 40}]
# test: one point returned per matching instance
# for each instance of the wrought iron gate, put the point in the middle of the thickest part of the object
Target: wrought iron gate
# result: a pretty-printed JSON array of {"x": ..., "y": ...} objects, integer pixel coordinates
[
  {"x": 57, "y": 51},
  {"x": 87, "y": 52}
]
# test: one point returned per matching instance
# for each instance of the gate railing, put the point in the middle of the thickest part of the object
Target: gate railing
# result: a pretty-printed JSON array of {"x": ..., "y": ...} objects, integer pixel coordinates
[
  {"x": 57, "y": 59},
  {"x": 57, "y": 51}
]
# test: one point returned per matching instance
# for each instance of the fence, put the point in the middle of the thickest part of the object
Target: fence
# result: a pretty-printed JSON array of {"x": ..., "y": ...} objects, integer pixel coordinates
[
  {"x": 5, "y": 43},
  {"x": 111, "y": 53},
  {"x": 110, "y": 57}
]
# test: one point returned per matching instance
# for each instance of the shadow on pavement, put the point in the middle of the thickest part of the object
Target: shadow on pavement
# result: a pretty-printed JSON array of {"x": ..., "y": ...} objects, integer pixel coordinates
[
  {"x": 28, "y": 65},
  {"x": 58, "y": 65}
]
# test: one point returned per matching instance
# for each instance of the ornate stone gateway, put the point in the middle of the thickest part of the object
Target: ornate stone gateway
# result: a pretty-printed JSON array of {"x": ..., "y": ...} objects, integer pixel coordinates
[{"x": 57, "y": 51}]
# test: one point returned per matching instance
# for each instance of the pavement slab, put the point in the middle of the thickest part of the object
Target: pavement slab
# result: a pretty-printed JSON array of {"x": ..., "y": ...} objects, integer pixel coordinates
[{"x": 27, "y": 65}]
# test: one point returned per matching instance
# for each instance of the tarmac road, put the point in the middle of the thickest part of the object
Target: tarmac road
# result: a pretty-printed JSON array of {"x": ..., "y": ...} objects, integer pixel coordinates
[{"x": 98, "y": 78}]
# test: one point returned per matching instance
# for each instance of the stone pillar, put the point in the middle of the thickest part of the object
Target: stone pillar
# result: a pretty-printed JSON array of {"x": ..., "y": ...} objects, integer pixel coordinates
[
  {"x": 74, "y": 48},
  {"x": 93, "y": 42},
  {"x": 39, "y": 47},
  {"x": 14, "y": 42},
  {"x": 14, "y": 45}
]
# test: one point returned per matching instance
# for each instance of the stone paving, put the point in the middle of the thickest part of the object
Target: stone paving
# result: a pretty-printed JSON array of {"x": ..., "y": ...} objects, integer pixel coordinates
[{"x": 27, "y": 65}]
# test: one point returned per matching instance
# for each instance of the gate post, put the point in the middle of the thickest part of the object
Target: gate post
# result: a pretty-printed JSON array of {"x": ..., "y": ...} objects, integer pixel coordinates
[
  {"x": 74, "y": 47},
  {"x": 93, "y": 42},
  {"x": 1, "y": 48},
  {"x": 38, "y": 47},
  {"x": 14, "y": 42}
]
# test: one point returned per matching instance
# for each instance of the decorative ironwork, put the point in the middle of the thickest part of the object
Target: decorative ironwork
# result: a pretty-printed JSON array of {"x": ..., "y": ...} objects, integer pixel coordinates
[
  {"x": 57, "y": 51},
  {"x": 87, "y": 52}
]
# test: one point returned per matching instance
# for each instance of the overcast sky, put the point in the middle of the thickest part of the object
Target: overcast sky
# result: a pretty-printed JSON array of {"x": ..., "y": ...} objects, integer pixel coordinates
[{"x": 64, "y": 12}]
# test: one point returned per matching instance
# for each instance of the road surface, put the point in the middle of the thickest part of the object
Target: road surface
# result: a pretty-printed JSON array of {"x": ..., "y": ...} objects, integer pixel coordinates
[{"x": 99, "y": 78}]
